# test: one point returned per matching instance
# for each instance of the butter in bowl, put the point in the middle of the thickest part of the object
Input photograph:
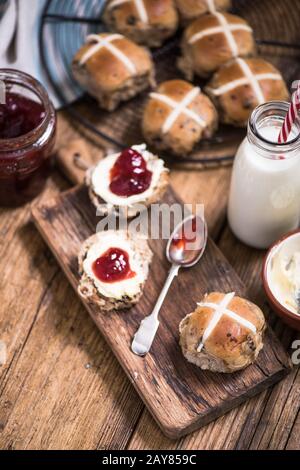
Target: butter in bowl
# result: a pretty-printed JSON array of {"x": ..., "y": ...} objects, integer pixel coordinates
[{"x": 281, "y": 278}]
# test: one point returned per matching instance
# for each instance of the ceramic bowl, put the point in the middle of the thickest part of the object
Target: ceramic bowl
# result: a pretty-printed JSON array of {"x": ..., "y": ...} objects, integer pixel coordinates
[{"x": 289, "y": 243}]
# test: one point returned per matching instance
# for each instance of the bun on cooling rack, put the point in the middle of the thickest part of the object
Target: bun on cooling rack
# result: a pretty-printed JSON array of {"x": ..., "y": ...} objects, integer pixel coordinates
[
  {"x": 113, "y": 69},
  {"x": 230, "y": 344},
  {"x": 177, "y": 116},
  {"x": 241, "y": 85},
  {"x": 102, "y": 195},
  {"x": 147, "y": 22},
  {"x": 191, "y": 9},
  {"x": 212, "y": 40}
]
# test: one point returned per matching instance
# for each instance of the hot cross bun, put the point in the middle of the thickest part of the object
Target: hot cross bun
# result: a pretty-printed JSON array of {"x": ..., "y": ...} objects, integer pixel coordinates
[
  {"x": 211, "y": 41},
  {"x": 241, "y": 85},
  {"x": 113, "y": 69},
  {"x": 223, "y": 334},
  {"x": 191, "y": 9},
  {"x": 177, "y": 116}
]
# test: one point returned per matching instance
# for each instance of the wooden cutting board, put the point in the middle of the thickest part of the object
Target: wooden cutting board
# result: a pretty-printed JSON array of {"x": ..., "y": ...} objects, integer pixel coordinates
[{"x": 180, "y": 396}]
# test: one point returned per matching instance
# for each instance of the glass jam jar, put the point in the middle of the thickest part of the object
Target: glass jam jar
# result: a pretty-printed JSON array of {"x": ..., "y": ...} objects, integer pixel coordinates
[
  {"x": 27, "y": 136},
  {"x": 264, "y": 200}
]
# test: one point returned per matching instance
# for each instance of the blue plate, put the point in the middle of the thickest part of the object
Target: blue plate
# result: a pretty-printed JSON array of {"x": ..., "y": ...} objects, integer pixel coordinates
[{"x": 60, "y": 40}]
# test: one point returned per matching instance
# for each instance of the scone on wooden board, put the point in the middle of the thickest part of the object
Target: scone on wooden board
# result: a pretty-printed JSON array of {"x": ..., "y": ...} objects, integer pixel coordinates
[
  {"x": 191, "y": 9},
  {"x": 148, "y": 22},
  {"x": 212, "y": 40},
  {"x": 113, "y": 69},
  {"x": 177, "y": 116},
  {"x": 223, "y": 334},
  {"x": 241, "y": 85},
  {"x": 114, "y": 266},
  {"x": 126, "y": 180}
]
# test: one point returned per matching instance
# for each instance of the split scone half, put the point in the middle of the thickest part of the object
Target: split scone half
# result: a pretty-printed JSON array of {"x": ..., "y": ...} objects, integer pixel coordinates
[
  {"x": 114, "y": 267},
  {"x": 113, "y": 69},
  {"x": 177, "y": 116},
  {"x": 241, "y": 85},
  {"x": 128, "y": 181},
  {"x": 148, "y": 22},
  {"x": 212, "y": 40},
  {"x": 191, "y": 9},
  {"x": 223, "y": 334}
]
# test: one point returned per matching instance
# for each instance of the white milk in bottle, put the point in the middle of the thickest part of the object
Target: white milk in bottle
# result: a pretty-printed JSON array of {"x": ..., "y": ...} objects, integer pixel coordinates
[{"x": 264, "y": 200}]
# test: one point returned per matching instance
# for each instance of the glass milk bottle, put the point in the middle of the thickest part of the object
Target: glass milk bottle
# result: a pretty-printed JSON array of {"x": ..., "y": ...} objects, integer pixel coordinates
[{"x": 264, "y": 200}]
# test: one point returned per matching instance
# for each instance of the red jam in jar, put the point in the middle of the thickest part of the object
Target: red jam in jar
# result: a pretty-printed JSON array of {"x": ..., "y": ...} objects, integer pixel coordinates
[
  {"x": 113, "y": 266},
  {"x": 129, "y": 175},
  {"x": 27, "y": 135}
]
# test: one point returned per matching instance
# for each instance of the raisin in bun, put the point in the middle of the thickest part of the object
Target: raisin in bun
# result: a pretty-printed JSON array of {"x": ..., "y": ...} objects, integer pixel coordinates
[
  {"x": 211, "y": 41},
  {"x": 241, "y": 85},
  {"x": 223, "y": 334},
  {"x": 113, "y": 69},
  {"x": 147, "y": 22},
  {"x": 191, "y": 9},
  {"x": 177, "y": 116}
]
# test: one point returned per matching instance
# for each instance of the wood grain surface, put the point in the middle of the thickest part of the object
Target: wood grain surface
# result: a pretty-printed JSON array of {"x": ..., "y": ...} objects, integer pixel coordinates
[
  {"x": 62, "y": 387},
  {"x": 48, "y": 401},
  {"x": 180, "y": 396}
]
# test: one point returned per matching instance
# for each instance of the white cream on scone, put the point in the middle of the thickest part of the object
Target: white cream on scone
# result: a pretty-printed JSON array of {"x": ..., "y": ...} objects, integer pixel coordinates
[
  {"x": 127, "y": 287},
  {"x": 100, "y": 179}
]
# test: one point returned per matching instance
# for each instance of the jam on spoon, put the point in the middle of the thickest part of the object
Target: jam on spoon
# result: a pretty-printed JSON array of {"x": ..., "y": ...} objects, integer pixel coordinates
[
  {"x": 19, "y": 115},
  {"x": 187, "y": 237},
  {"x": 113, "y": 266},
  {"x": 129, "y": 175}
]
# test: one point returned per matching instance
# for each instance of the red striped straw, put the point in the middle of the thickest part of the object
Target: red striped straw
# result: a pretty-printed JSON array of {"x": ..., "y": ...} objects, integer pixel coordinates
[{"x": 291, "y": 117}]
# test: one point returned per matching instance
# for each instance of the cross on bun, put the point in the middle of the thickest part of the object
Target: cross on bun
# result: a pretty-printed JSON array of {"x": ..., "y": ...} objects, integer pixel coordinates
[
  {"x": 113, "y": 69},
  {"x": 191, "y": 9},
  {"x": 177, "y": 116},
  {"x": 241, "y": 85},
  {"x": 121, "y": 294},
  {"x": 211, "y": 41},
  {"x": 148, "y": 22},
  {"x": 223, "y": 334}
]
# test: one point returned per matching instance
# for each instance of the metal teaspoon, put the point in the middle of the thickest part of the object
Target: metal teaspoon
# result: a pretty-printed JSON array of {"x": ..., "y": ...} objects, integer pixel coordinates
[{"x": 184, "y": 249}]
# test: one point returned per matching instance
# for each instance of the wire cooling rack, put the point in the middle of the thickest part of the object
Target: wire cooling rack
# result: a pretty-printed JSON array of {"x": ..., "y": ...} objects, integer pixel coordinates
[{"x": 67, "y": 24}]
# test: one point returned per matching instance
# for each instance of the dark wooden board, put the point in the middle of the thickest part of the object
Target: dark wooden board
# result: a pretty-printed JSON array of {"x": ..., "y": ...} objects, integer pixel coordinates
[{"x": 179, "y": 395}]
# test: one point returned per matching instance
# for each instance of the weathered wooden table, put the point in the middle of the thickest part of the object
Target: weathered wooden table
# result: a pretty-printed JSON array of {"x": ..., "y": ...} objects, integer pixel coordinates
[{"x": 62, "y": 388}]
